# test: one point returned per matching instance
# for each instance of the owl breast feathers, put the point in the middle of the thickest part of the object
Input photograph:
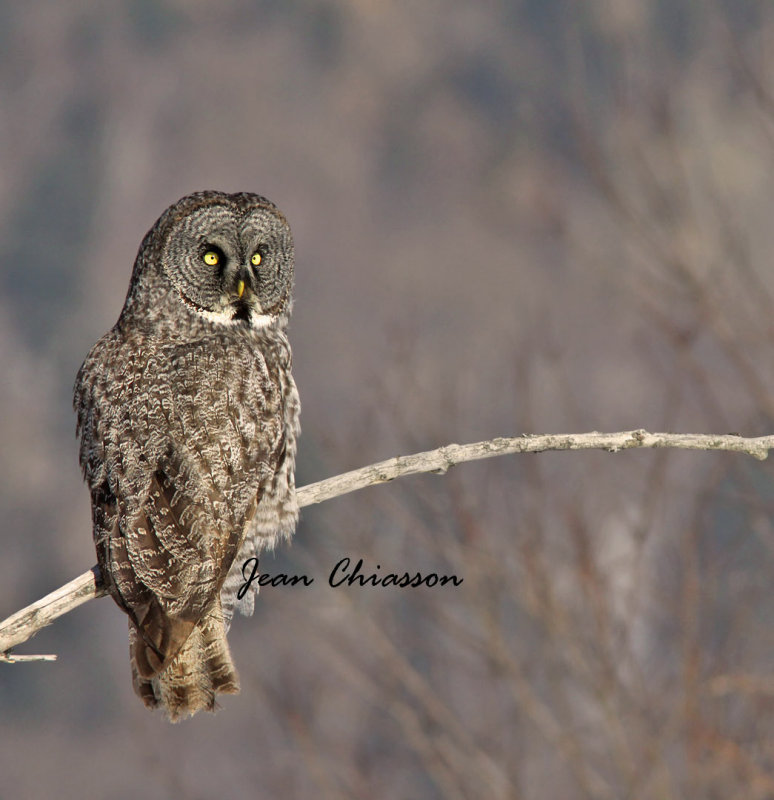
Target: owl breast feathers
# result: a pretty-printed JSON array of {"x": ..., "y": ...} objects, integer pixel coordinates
[{"x": 188, "y": 418}]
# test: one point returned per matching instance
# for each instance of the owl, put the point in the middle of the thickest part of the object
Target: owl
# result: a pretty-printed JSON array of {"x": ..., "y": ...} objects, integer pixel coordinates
[{"x": 188, "y": 421}]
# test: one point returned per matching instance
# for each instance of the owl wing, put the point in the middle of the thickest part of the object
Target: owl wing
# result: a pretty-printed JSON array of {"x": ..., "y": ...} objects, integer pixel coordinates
[{"x": 177, "y": 443}]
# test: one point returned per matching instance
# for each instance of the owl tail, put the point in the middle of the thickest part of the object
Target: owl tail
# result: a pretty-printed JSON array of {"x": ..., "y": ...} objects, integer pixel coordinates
[{"x": 201, "y": 669}]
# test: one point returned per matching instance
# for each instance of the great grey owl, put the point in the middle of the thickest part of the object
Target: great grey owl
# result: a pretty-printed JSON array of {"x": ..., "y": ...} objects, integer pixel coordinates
[{"x": 188, "y": 418}]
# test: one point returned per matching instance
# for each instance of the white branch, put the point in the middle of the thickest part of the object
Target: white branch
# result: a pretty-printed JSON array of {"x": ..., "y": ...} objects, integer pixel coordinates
[
  {"x": 10, "y": 658},
  {"x": 26, "y": 623}
]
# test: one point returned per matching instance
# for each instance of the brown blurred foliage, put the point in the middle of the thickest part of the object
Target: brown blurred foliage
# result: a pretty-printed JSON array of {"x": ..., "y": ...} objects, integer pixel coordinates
[{"x": 525, "y": 216}]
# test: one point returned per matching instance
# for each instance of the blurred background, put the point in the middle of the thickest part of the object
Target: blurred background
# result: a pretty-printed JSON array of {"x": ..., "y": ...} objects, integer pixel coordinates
[{"x": 510, "y": 216}]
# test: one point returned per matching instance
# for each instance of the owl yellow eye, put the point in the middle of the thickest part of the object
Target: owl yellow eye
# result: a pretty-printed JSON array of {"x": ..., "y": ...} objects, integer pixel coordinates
[
  {"x": 211, "y": 258},
  {"x": 255, "y": 260}
]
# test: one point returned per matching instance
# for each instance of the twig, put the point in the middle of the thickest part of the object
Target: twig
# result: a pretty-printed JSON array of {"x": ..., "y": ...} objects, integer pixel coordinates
[
  {"x": 6, "y": 658},
  {"x": 24, "y": 624}
]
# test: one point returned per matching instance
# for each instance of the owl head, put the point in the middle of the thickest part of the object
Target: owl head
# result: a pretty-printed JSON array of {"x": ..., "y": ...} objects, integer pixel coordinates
[{"x": 226, "y": 258}]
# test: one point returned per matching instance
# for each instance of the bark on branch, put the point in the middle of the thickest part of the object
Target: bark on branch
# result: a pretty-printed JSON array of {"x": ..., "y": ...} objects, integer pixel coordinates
[{"x": 26, "y": 623}]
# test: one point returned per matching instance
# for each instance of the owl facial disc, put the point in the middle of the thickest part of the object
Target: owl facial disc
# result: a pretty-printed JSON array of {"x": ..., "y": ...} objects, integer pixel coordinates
[{"x": 231, "y": 261}]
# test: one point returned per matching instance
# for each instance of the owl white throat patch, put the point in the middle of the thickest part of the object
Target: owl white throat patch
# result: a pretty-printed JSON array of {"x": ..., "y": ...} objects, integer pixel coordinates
[{"x": 232, "y": 315}]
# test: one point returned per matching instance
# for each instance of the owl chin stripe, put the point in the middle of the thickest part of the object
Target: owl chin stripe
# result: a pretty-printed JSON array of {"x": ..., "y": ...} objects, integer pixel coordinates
[
  {"x": 261, "y": 320},
  {"x": 256, "y": 320},
  {"x": 242, "y": 313}
]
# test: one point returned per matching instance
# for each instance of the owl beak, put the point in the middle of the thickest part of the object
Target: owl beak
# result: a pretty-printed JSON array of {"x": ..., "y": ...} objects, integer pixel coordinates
[{"x": 242, "y": 285}]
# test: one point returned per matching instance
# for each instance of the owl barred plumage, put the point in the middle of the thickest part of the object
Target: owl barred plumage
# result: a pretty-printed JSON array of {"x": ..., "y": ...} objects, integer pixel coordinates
[{"x": 188, "y": 418}]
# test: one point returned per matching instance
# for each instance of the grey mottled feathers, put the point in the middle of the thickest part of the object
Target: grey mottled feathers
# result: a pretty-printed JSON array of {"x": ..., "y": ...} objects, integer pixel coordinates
[{"x": 188, "y": 417}]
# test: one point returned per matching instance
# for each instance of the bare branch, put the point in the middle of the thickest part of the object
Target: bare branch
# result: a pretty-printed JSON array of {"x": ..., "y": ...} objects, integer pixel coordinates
[
  {"x": 440, "y": 460},
  {"x": 12, "y": 659},
  {"x": 26, "y": 623}
]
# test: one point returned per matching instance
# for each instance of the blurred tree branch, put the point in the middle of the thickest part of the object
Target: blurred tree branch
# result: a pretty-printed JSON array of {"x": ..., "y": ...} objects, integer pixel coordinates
[{"x": 24, "y": 624}]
